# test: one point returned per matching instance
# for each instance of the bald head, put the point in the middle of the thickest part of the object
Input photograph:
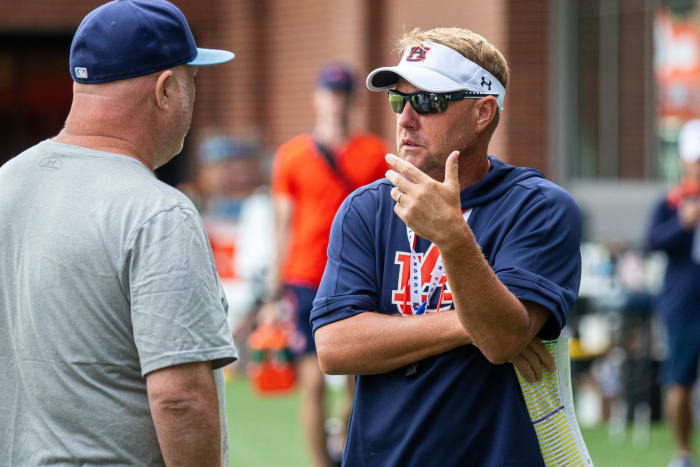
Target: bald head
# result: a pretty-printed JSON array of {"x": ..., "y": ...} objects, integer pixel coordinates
[{"x": 146, "y": 117}]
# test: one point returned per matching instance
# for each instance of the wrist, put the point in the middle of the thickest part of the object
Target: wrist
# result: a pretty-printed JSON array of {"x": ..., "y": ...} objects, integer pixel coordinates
[{"x": 455, "y": 237}]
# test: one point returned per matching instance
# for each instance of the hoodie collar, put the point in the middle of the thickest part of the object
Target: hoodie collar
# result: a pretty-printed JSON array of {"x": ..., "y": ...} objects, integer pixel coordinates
[{"x": 499, "y": 179}]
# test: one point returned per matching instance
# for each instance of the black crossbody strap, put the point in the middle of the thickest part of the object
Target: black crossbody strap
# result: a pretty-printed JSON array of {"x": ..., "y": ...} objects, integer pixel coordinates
[{"x": 330, "y": 160}]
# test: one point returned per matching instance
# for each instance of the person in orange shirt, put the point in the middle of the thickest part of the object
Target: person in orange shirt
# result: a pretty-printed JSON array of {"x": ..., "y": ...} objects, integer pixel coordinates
[{"x": 312, "y": 174}]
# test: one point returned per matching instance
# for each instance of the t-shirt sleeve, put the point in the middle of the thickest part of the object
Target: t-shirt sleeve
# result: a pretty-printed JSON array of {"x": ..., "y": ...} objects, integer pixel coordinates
[
  {"x": 178, "y": 309},
  {"x": 540, "y": 259},
  {"x": 349, "y": 284}
]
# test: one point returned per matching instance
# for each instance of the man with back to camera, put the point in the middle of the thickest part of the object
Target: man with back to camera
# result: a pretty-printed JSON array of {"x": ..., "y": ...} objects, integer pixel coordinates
[
  {"x": 311, "y": 176},
  {"x": 113, "y": 324},
  {"x": 424, "y": 396},
  {"x": 673, "y": 229}
]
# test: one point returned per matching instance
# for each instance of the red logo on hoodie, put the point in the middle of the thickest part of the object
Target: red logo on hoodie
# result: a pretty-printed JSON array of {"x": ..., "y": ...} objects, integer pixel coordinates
[{"x": 401, "y": 296}]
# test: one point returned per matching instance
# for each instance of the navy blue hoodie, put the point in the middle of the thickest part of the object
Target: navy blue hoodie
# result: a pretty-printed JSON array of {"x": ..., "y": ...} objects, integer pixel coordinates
[{"x": 456, "y": 408}]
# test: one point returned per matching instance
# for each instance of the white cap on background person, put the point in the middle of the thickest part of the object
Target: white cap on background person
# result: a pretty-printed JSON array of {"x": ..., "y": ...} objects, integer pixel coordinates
[{"x": 689, "y": 141}]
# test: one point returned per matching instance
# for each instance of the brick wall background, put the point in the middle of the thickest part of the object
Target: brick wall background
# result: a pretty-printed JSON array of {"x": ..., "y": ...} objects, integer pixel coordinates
[{"x": 265, "y": 93}]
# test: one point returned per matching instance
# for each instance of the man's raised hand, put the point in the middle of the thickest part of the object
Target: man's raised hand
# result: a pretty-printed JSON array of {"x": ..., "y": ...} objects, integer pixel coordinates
[{"x": 429, "y": 207}]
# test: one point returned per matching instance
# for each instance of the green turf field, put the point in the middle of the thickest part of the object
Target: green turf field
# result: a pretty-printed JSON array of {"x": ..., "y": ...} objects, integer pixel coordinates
[{"x": 264, "y": 433}]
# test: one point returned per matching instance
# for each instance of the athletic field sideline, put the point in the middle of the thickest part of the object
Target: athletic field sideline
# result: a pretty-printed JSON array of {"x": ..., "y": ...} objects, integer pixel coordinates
[{"x": 265, "y": 433}]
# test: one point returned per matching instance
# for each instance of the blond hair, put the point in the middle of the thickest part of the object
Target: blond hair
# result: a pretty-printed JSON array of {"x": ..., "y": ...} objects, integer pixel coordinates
[{"x": 468, "y": 43}]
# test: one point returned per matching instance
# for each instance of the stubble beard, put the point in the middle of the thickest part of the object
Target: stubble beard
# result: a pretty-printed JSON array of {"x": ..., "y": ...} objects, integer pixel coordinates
[{"x": 434, "y": 165}]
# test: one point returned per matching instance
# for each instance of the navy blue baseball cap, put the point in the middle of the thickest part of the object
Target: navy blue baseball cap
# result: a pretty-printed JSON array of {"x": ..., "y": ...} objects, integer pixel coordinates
[
  {"x": 128, "y": 38},
  {"x": 336, "y": 76}
]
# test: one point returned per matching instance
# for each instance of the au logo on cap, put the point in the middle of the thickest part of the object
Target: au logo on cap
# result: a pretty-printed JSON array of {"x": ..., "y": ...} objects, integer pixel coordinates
[
  {"x": 81, "y": 72},
  {"x": 417, "y": 53}
]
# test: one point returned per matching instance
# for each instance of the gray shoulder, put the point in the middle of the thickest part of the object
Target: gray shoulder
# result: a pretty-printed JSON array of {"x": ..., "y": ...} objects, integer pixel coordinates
[
  {"x": 137, "y": 187},
  {"x": 162, "y": 193}
]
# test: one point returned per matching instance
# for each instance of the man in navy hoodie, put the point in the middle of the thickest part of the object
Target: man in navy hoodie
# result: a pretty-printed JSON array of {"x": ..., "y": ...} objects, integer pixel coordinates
[
  {"x": 674, "y": 226},
  {"x": 435, "y": 386}
]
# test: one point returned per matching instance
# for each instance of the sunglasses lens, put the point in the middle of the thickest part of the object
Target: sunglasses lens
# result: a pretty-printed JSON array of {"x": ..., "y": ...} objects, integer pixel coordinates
[
  {"x": 397, "y": 102},
  {"x": 422, "y": 102},
  {"x": 428, "y": 103}
]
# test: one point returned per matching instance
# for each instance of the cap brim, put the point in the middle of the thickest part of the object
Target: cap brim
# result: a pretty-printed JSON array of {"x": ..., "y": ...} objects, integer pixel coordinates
[
  {"x": 211, "y": 57},
  {"x": 421, "y": 77}
]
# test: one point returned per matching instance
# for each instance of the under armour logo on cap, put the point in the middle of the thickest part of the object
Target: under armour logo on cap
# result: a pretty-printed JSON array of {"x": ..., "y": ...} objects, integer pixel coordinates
[{"x": 485, "y": 83}]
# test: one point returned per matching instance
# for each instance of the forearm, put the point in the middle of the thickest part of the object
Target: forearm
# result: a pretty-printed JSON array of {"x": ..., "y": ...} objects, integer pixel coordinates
[
  {"x": 278, "y": 266},
  {"x": 185, "y": 410},
  {"x": 189, "y": 433},
  {"x": 497, "y": 321},
  {"x": 373, "y": 343},
  {"x": 283, "y": 227}
]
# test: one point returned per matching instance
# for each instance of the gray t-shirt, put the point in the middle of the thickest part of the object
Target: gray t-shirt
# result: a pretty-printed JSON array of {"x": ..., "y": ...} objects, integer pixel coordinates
[{"x": 106, "y": 274}]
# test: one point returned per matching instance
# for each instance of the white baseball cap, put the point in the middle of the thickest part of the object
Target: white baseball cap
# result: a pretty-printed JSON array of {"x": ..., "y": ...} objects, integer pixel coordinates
[
  {"x": 689, "y": 141},
  {"x": 437, "y": 68}
]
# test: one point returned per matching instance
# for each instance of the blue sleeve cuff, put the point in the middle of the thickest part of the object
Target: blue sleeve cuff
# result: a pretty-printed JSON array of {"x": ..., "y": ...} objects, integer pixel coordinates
[
  {"x": 530, "y": 287},
  {"x": 335, "y": 308}
]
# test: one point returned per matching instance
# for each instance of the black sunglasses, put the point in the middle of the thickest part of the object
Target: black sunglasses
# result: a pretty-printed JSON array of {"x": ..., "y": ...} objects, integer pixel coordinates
[{"x": 424, "y": 102}]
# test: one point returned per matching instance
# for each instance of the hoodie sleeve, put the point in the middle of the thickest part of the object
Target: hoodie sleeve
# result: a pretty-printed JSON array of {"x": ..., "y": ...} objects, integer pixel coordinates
[
  {"x": 349, "y": 284},
  {"x": 539, "y": 259}
]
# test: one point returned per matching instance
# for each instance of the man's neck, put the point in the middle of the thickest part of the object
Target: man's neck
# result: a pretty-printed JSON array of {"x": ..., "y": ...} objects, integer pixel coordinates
[
  {"x": 104, "y": 143},
  {"x": 331, "y": 134},
  {"x": 472, "y": 169}
]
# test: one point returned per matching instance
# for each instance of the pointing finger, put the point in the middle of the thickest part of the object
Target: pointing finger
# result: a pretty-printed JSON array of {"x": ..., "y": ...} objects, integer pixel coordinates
[
  {"x": 406, "y": 169},
  {"x": 452, "y": 169}
]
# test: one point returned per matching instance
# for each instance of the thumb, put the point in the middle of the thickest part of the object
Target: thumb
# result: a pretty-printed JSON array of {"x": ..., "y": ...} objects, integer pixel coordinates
[{"x": 452, "y": 169}]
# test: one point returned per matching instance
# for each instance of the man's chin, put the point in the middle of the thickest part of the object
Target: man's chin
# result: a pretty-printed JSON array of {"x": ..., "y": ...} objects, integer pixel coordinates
[
  {"x": 425, "y": 165},
  {"x": 413, "y": 157}
]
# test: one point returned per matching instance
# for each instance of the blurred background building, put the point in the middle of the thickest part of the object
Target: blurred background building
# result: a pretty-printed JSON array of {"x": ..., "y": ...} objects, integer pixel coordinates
[{"x": 585, "y": 104}]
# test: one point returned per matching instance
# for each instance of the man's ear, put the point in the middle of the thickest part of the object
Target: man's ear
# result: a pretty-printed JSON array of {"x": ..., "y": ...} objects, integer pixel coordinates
[
  {"x": 486, "y": 111},
  {"x": 163, "y": 90}
]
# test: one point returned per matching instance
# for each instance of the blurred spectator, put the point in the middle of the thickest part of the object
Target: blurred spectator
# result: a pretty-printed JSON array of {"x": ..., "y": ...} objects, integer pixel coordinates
[
  {"x": 229, "y": 172},
  {"x": 673, "y": 227},
  {"x": 235, "y": 204},
  {"x": 312, "y": 175}
]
